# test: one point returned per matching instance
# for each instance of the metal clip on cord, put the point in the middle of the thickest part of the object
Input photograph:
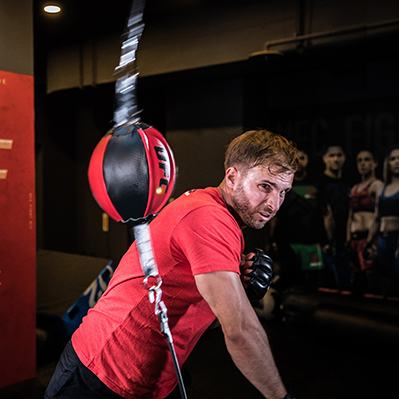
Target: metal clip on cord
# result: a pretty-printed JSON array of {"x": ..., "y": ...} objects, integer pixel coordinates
[{"x": 150, "y": 270}]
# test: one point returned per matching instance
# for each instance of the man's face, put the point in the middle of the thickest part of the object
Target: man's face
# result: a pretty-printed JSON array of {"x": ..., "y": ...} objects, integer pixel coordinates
[
  {"x": 365, "y": 163},
  {"x": 334, "y": 158},
  {"x": 302, "y": 161},
  {"x": 258, "y": 194}
]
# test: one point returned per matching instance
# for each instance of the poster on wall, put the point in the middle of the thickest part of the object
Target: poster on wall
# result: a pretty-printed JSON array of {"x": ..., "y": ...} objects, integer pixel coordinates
[
  {"x": 340, "y": 262},
  {"x": 17, "y": 229}
]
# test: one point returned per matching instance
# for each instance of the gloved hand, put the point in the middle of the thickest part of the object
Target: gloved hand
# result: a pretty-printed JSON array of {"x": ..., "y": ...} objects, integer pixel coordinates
[
  {"x": 259, "y": 279},
  {"x": 330, "y": 250},
  {"x": 369, "y": 251}
]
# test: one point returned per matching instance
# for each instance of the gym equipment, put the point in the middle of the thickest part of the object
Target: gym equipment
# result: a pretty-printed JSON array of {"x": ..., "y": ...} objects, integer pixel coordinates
[
  {"x": 68, "y": 285},
  {"x": 261, "y": 275},
  {"x": 132, "y": 173},
  {"x": 74, "y": 315}
]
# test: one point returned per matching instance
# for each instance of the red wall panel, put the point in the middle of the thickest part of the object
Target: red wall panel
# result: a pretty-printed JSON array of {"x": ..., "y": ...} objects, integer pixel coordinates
[{"x": 17, "y": 229}]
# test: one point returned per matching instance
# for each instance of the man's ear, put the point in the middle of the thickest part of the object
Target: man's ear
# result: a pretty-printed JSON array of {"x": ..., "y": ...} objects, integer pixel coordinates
[{"x": 231, "y": 176}]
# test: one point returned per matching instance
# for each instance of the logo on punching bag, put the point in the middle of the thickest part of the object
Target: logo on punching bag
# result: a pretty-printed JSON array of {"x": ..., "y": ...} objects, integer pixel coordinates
[{"x": 163, "y": 181}]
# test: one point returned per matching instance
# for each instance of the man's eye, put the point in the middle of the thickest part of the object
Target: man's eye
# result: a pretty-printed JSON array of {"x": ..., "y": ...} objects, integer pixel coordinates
[{"x": 265, "y": 186}]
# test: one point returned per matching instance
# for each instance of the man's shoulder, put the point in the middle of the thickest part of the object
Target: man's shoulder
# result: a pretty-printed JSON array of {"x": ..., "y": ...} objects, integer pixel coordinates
[
  {"x": 195, "y": 198},
  {"x": 199, "y": 203},
  {"x": 208, "y": 193}
]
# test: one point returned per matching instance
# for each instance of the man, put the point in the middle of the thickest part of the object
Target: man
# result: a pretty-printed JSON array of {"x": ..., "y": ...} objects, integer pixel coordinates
[
  {"x": 118, "y": 351},
  {"x": 335, "y": 202}
]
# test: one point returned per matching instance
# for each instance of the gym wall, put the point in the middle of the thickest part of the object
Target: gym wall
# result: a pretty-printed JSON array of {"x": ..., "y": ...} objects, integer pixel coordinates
[
  {"x": 201, "y": 99},
  {"x": 17, "y": 195}
]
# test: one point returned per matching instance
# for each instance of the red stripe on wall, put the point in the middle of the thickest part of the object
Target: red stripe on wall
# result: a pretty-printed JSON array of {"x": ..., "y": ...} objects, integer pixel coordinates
[{"x": 17, "y": 229}]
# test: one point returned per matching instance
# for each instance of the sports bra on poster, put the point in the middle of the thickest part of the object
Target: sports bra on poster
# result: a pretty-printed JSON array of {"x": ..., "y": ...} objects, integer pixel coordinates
[
  {"x": 388, "y": 206},
  {"x": 360, "y": 201}
]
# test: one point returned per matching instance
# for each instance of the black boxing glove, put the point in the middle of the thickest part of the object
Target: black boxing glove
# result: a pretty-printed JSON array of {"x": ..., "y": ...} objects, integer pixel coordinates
[
  {"x": 261, "y": 275},
  {"x": 330, "y": 250},
  {"x": 288, "y": 396},
  {"x": 368, "y": 251}
]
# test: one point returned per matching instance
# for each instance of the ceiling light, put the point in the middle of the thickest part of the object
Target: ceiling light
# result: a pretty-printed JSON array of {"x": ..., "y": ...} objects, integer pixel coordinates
[{"x": 52, "y": 9}]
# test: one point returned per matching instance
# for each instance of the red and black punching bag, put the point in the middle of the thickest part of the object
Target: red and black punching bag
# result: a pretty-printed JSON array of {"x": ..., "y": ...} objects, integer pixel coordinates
[{"x": 132, "y": 173}]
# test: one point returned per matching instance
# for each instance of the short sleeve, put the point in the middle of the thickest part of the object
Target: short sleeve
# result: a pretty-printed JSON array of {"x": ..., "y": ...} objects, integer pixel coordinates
[{"x": 210, "y": 239}]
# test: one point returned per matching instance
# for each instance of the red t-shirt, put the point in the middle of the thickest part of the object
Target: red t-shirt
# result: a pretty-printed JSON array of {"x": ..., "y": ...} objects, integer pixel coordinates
[{"x": 120, "y": 339}]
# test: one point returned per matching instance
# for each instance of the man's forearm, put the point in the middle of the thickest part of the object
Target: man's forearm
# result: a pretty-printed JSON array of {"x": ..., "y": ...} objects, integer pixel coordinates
[
  {"x": 245, "y": 338},
  {"x": 252, "y": 355}
]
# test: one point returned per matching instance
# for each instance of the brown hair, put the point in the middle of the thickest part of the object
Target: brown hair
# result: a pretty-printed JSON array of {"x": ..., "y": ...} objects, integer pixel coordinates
[
  {"x": 261, "y": 147},
  {"x": 387, "y": 174}
]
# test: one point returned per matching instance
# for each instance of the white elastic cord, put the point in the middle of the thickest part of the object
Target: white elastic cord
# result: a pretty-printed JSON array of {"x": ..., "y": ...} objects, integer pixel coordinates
[{"x": 150, "y": 270}]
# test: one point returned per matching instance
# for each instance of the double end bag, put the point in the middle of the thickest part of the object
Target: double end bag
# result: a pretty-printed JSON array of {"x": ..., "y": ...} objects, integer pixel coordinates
[{"x": 132, "y": 173}]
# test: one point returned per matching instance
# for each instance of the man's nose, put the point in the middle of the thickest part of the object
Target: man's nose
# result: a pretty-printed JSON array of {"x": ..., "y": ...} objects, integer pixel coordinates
[{"x": 274, "y": 201}]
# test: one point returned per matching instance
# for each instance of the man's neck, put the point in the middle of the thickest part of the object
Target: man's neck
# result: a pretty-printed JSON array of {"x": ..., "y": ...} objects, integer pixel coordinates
[{"x": 333, "y": 174}]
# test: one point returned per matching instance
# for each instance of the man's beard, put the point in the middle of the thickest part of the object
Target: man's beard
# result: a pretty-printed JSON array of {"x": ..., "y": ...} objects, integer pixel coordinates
[{"x": 242, "y": 206}]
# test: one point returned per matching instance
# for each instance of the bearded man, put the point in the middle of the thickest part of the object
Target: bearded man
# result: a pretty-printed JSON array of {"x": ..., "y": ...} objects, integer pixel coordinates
[{"x": 119, "y": 352}]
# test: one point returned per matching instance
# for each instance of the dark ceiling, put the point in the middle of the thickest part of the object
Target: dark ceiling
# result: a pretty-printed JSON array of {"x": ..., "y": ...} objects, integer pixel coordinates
[
  {"x": 77, "y": 19},
  {"x": 90, "y": 17}
]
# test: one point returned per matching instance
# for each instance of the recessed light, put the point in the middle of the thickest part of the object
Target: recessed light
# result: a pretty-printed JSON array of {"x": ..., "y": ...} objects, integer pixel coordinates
[{"x": 52, "y": 9}]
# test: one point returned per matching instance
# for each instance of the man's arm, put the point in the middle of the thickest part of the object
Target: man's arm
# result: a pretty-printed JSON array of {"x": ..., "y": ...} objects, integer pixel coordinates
[
  {"x": 329, "y": 223},
  {"x": 245, "y": 338}
]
